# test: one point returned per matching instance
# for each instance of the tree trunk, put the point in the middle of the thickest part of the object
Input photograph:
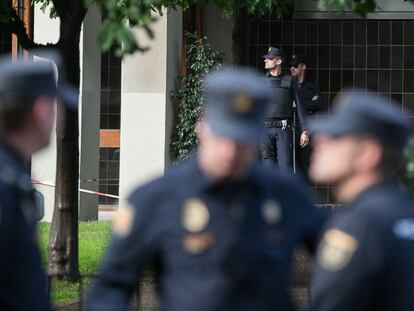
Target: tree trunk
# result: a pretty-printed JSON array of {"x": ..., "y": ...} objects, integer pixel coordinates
[
  {"x": 242, "y": 25},
  {"x": 63, "y": 244}
]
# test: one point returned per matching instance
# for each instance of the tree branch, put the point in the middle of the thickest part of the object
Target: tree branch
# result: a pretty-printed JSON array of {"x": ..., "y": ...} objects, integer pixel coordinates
[
  {"x": 69, "y": 9},
  {"x": 60, "y": 7},
  {"x": 17, "y": 27}
]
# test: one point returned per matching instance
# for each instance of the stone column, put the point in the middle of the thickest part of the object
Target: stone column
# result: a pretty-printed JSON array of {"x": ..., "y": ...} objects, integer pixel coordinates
[
  {"x": 146, "y": 112},
  {"x": 89, "y": 115}
]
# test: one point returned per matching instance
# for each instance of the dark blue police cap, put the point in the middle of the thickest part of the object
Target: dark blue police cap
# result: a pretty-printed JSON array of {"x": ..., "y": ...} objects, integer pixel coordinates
[
  {"x": 235, "y": 104},
  {"x": 365, "y": 114},
  {"x": 298, "y": 59},
  {"x": 273, "y": 52},
  {"x": 34, "y": 79}
]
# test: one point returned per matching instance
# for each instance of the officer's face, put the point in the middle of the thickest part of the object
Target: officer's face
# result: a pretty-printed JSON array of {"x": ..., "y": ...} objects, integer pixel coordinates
[
  {"x": 334, "y": 159},
  {"x": 43, "y": 120},
  {"x": 297, "y": 70},
  {"x": 222, "y": 157},
  {"x": 271, "y": 63}
]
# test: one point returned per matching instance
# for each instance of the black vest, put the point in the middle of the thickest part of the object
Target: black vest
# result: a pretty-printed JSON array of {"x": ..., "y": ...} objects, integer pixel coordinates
[{"x": 282, "y": 103}]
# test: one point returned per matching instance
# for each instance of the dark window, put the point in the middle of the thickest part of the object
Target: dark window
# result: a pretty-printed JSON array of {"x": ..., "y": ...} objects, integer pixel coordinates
[{"x": 367, "y": 54}]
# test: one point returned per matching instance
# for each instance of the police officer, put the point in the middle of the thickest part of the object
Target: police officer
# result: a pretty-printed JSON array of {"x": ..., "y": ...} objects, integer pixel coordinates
[
  {"x": 312, "y": 100},
  {"x": 221, "y": 228},
  {"x": 27, "y": 111},
  {"x": 277, "y": 147},
  {"x": 365, "y": 259},
  {"x": 308, "y": 90}
]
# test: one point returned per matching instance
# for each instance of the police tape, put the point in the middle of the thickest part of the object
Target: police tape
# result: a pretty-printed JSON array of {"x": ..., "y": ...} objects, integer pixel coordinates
[
  {"x": 50, "y": 184},
  {"x": 98, "y": 179}
]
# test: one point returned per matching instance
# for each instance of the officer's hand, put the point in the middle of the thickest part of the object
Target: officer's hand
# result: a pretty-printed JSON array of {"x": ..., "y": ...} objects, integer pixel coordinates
[
  {"x": 304, "y": 139},
  {"x": 315, "y": 98}
]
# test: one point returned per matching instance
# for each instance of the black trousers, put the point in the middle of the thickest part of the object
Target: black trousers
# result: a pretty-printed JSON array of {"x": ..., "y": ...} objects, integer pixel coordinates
[{"x": 276, "y": 148}]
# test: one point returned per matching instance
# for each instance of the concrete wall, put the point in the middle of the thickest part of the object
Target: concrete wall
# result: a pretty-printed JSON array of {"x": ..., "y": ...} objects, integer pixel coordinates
[
  {"x": 218, "y": 31},
  {"x": 44, "y": 163},
  {"x": 146, "y": 112},
  {"x": 89, "y": 114}
]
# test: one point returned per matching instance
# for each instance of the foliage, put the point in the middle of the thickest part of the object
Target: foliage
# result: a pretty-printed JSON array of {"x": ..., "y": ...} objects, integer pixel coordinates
[
  {"x": 201, "y": 59},
  {"x": 122, "y": 15},
  {"x": 93, "y": 240},
  {"x": 360, "y": 7},
  {"x": 45, "y": 4}
]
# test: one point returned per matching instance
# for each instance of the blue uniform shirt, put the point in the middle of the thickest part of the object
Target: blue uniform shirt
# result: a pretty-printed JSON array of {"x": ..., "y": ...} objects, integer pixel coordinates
[
  {"x": 366, "y": 257},
  {"x": 22, "y": 281},
  {"x": 218, "y": 246}
]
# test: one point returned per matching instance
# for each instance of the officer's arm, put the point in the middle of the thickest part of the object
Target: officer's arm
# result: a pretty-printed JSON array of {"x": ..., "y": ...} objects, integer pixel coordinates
[
  {"x": 346, "y": 271},
  {"x": 300, "y": 105},
  {"x": 315, "y": 104},
  {"x": 312, "y": 220},
  {"x": 133, "y": 246}
]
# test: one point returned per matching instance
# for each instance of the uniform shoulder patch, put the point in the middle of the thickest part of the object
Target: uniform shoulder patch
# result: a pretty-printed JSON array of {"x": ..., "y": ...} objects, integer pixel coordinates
[
  {"x": 123, "y": 222},
  {"x": 336, "y": 249}
]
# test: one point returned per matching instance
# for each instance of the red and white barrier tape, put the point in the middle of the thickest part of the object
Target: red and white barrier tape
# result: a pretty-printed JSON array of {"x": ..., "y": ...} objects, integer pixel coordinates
[{"x": 50, "y": 184}]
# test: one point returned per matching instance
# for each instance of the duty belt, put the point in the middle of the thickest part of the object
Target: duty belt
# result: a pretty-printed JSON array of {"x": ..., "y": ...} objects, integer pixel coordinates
[{"x": 277, "y": 123}]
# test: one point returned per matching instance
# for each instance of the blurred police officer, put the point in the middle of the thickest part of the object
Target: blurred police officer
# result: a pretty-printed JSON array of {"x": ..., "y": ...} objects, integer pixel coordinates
[
  {"x": 366, "y": 257},
  {"x": 28, "y": 92},
  {"x": 277, "y": 147},
  {"x": 221, "y": 228},
  {"x": 311, "y": 98}
]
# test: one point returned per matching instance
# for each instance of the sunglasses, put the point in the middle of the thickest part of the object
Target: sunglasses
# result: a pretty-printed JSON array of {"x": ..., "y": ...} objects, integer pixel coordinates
[{"x": 294, "y": 65}]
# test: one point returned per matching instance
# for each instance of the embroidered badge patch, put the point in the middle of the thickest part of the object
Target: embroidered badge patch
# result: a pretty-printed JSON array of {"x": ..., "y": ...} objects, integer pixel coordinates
[
  {"x": 336, "y": 250},
  {"x": 197, "y": 243},
  {"x": 242, "y": 103},
  {"x": 271, "y": 212},
  {"x": 195, "y": 215}
]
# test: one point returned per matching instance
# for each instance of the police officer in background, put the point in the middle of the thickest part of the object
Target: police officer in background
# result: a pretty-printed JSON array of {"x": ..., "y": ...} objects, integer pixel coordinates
[
  {"x": 366, "y": 257},
  {"x": 220, "y": 228},
  {"x": 277, "y": 147},
  {"x": 28, "y": 93},
  {"x": 308, "y": 90},
  {"x": 311, "y": 98}
]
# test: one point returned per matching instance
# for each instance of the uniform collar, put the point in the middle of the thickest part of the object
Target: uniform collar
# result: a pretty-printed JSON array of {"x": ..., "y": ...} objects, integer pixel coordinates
[
  {"x": 9, "y": 154},
  {"x": 203, "y": 182},
  {"x": 268, "y": 75},
  {"x": 380, "y": 187}
]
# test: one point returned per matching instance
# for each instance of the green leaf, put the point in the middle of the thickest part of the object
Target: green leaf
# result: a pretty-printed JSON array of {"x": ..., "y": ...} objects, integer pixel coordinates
[{"x": 188, "y": 98}]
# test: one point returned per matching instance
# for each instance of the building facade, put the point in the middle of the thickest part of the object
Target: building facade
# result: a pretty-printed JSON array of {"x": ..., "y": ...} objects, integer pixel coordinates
[{"x": 126, "y": 116}]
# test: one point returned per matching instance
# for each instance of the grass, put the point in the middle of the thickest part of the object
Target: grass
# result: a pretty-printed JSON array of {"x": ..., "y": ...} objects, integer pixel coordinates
[{"x": 93, "y": 241}]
